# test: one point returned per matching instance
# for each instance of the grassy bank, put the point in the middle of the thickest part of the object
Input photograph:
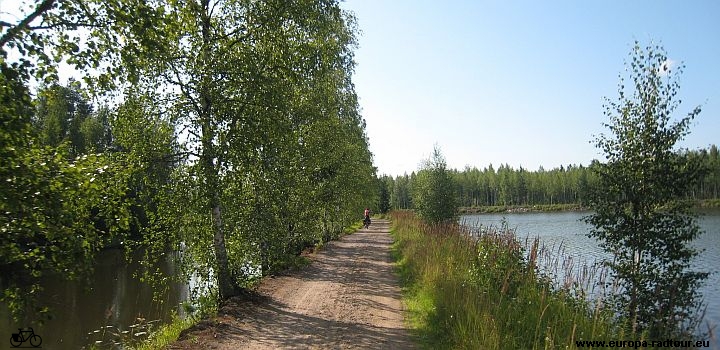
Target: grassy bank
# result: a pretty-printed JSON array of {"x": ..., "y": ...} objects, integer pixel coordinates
[
  {"x": 521, "y": 209},
  {"x": 469, "y": 293},
  {"x": 166, "y": 334},
  {"x": 707, "y": 203}
]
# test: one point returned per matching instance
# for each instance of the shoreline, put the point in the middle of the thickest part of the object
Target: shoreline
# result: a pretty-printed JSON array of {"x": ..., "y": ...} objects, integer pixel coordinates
[
  {"x": 521, "y": 208},
  {"x": 546, "y": 208}
]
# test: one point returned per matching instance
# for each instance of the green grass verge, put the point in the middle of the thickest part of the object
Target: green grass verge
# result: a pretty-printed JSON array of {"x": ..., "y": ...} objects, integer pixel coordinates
[
  {"x": 353, "y": 228},
  {"x": 165, "y": 334},
  {"x": 466, "y": 293}
]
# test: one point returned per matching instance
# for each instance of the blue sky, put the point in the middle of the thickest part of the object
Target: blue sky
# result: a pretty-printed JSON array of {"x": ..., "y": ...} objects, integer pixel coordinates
[{"x": 518, "y": 82}]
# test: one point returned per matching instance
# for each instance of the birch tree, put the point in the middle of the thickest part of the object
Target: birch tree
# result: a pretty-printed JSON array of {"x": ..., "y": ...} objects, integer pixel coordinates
[{"x": 638, "y": 216}]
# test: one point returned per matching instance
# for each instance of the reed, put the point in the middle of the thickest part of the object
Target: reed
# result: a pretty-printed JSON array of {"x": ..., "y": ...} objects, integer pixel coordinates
[{"x": 481, "y": 289}]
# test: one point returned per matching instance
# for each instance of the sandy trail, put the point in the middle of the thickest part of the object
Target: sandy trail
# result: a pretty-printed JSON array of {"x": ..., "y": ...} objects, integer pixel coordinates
[{"x": 348, "y": 298}]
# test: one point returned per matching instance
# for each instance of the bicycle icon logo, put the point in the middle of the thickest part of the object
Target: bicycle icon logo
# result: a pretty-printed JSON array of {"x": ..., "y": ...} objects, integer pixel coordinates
[{"x": 25, "y": 335}]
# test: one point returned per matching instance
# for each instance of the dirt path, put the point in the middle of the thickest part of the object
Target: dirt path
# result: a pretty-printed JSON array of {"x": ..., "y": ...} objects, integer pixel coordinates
[{"x": 348, "y": 298}]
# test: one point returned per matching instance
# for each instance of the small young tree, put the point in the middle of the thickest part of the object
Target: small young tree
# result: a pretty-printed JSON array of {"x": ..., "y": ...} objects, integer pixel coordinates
[
  {"x": 638, "y": 217},
  {"x": 433, "y": 190}
]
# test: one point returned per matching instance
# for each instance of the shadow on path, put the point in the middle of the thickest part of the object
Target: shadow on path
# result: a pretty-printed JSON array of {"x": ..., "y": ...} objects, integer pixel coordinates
[{"x": 349, "y": 297}]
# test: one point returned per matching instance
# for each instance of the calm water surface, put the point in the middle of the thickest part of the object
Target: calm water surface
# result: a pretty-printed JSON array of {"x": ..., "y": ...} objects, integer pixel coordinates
[
  {"x": 113, "y": 303},
  {"x": 566, "y": 232}
]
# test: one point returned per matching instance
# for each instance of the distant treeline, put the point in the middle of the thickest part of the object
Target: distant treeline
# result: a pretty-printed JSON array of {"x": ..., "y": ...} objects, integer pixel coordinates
[{"x": 507, "y": 186}]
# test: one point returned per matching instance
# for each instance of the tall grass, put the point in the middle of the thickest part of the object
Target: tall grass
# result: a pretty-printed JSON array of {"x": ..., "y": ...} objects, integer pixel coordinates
[{"x": 481, "y": 291}]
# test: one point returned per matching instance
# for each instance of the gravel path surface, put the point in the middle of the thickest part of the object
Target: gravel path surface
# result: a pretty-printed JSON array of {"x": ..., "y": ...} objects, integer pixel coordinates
[{"x": 348, "y": 298}]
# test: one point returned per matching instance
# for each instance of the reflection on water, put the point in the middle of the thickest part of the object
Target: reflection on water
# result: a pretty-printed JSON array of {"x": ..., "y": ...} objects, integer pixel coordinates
[
  {"x": 567, "y": 232},
  {"x": 116, "y": 302}
]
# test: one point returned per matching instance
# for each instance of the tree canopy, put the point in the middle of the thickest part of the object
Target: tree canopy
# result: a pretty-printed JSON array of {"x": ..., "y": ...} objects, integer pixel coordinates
[
  {"x": 433, "y": 190},
  {"x": 233, "y": 125}
]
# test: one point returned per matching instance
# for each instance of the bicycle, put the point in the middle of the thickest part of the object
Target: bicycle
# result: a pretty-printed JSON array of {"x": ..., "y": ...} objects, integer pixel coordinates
[
  {"x": 366, "y": 222},
  {"x": 22, "y": 336}
]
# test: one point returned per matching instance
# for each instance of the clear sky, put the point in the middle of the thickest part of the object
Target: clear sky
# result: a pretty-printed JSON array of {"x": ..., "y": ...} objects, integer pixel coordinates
[{"x": 518, "y": 82}]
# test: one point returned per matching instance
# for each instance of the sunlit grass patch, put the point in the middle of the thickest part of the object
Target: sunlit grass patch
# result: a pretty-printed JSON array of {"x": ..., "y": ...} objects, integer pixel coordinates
[
  {"x": 482, "y": 292},
  {"x": 166, "y": 334}
]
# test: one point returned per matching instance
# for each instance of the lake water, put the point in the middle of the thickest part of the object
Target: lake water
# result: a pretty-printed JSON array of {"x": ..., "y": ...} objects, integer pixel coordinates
[
  {"x": 566, "y": 232},
  {"x": 116, "y": 306}
]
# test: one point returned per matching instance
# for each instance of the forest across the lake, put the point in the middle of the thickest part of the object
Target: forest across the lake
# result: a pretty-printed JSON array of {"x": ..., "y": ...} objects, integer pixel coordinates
[{"x": 563, "y": 188}]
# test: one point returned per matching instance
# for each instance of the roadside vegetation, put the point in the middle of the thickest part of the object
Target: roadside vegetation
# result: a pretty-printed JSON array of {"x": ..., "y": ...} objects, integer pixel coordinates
[
  {"x": 481, "y": 292},
  {"x": 476, "y": 289},
  {"x": 165, "y": 334}
]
